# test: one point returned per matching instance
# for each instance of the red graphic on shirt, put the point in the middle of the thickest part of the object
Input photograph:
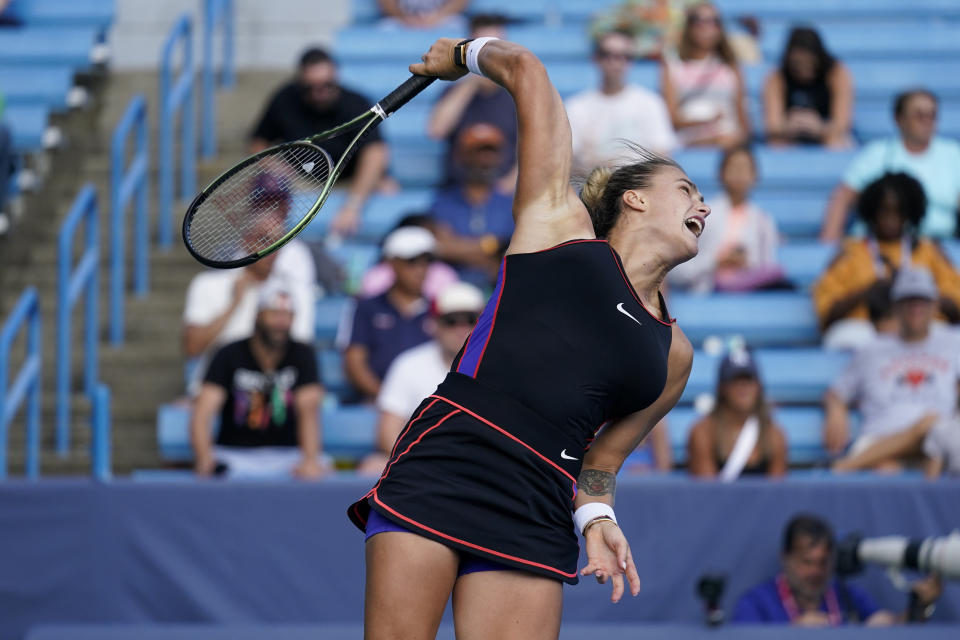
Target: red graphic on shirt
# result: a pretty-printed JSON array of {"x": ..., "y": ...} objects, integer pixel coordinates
[{"x": 914, "y": 377}]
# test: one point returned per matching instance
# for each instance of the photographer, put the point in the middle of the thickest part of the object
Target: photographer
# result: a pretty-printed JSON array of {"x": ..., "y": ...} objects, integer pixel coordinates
[{"x": 805, "y": 592}]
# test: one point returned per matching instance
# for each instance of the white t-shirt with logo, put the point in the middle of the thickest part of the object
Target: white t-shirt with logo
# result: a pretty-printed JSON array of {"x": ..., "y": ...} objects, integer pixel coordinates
[
  {"x": 412, "y": 376},
  {"x": 600, "y": 123},
  {"x": 895, "y": 383}
]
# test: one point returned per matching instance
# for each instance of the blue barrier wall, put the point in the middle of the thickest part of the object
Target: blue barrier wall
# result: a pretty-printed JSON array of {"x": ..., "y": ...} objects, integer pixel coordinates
[{"x": 285, "y": 552}]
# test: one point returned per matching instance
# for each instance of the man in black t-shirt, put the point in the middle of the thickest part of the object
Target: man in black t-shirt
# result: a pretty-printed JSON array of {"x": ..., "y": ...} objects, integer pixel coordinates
[
  {"x": 313, "y": 102},
  {"x": 267, "y": 392}
]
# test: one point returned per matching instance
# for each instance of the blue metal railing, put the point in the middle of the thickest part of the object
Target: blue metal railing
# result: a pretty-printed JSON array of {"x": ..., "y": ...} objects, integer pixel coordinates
[
  {"x": 127, "y": 183},
  {"x": 71, "y": 285},
  {"x": 100, "y": 443},
  {"x": 216, "y": 13},
  {"x": 176, "y": 96},
  {"x": 26, "y": 384}
]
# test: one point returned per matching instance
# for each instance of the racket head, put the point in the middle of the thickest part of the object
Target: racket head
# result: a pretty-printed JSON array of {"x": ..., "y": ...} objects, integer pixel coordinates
[{"x": 258, "y": 205}]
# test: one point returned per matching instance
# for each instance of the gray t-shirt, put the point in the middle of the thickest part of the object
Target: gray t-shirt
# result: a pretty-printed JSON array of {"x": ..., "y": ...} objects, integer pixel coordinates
[{"x": 895, "y": 383}]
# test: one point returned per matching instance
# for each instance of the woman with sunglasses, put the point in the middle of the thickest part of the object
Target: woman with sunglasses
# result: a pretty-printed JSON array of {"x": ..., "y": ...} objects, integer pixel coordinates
[
  {"x": 572, "y": 362},
  {"x": 703, "y": 86}
]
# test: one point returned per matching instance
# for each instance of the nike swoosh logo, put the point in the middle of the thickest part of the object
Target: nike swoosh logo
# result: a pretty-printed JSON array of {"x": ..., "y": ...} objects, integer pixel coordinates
[
  {"x": 563, "y": 454},
  {"x": 627, "y": 313}
]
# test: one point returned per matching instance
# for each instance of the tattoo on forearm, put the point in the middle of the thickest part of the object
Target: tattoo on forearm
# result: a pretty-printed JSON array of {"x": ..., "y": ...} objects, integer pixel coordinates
[{"x": 597, "y": 483}]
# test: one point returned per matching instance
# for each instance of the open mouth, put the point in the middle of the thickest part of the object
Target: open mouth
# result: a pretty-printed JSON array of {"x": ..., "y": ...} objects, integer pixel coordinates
[{"x": 695, "y": 224}]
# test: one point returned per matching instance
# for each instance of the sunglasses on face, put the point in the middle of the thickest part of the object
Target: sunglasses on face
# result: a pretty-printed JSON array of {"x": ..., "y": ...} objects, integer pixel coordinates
[
  {"x": 465, "y": 319},
  {"x": 714, "y": 20},
  {"x": 423, "y": 259},
  {"x": 923, "y": 115},
  {"x": 604, "y": 54},
  {"x": 319, "y": 87}
]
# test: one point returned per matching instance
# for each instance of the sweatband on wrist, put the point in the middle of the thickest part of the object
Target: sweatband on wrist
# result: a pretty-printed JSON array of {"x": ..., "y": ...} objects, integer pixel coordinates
[
  {"x": 591, "y": 511},
  {"x": 473, "y": 53}
]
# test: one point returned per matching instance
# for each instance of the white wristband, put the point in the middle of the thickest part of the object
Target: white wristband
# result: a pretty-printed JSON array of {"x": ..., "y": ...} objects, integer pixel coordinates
[
  {"x": 591, "y": 511},
  {"x": 473, "y": 53}
]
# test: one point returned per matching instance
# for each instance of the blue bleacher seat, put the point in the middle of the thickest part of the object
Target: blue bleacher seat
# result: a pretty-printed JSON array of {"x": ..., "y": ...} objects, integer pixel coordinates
[
  {"x": 952, "y": 249},
  {"x": 794, "y": 9},
  {"x": 803, "y": 427},
  {"x": 889, "y": 40},
  {"x": 36, "y": 86},
  {"x": 69, "y": 13},
  {"x": 798, "y": 376},
  {"x": 47, "y": 45},
  {"x": 329, "y": 311},
  {"x": 880, "y": 79},
  {"x": 330, "y": 364},
  {"x": 796, "y": 167},
  {"x": 799, "y": 214},
  {"x": 380, "y": 214},
  {"x": 803, "y": 262},
  {"x": 366, "y": 11},
  {"x": 766, "y": 319},
  {"x": 27, "y": 125}
]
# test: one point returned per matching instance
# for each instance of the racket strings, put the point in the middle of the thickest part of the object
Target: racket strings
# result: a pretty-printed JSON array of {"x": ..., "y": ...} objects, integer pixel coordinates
[{"x": 257, "y": 206}]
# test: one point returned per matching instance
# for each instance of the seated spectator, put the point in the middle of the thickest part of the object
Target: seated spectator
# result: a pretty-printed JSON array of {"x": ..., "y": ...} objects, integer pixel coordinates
[
  {"x": 703, "y": 86},
  {"x": 891, "y": 208},
  {"x": 809, "y": 99},
  {"x": 917, "y": 151},
  {"x": 423, "y": 14},
  {"x": 381, "y": 276},
  {"x": 903, "y": 385},
  {"x": 221, "y": 304},
  {"x": 738, "y": 246},
  {"x": 315, "y": 101},
  {"x": 600, "y": 119},
  {"x": 383, "y": 327},
  {"x": 267, "y": 393},
  {"x": 473, "y": 221},
  {"x": 738, "y": 437},
  {"x": 806, "y": 594},
  {"x": 474, "y": 99},
  {"x": 9, "y": 14},
  {"x": 654, "y": 454},
  {"x": 415, "y": 373}
]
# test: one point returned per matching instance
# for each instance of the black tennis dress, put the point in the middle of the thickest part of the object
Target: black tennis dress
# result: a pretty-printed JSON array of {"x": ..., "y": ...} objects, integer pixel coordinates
[{"x": 488, "y": 463}]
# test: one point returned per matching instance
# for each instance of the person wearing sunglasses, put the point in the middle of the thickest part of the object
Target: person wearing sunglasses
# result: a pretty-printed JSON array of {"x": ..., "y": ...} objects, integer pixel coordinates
[
  {"x": 703, "y": 85},
  {"x": 416, "y": 372},
  {"x": 601, "y": 118},
  {"x": 918, "y": 151}
]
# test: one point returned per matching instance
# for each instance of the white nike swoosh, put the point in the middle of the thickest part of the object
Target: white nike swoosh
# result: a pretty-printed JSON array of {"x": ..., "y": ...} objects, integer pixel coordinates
[
  {"x": 627, "y": 313},
  {"x": 563, "y": 454}
]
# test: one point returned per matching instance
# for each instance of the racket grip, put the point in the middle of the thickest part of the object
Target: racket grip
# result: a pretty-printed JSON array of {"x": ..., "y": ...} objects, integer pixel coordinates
[{"x": 404, "y": 93}]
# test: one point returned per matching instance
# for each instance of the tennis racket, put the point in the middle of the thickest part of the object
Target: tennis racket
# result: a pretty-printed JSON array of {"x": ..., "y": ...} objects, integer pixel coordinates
[{"x": 262, "y": 203}]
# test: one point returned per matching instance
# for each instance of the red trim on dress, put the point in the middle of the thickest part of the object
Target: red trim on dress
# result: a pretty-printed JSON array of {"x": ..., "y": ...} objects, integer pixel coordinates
[
  {"x": 471, "y": 545},
  {"x": 616, "y": 261},
  {"x": 493, "y": 320},
  {"x": 386, "y": 471},
  {"x": 407, "y": 428},
  {"x": 512, "y": 437}
]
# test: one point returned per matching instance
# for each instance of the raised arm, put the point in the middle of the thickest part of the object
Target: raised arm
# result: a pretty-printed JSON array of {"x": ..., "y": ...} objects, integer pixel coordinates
[{"x": 546, "y": 209}]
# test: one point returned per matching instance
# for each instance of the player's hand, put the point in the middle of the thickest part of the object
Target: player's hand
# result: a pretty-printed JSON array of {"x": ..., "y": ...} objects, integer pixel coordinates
[
  {"x": 438, "y": 61},
  {"x": 608, "y": 556}
]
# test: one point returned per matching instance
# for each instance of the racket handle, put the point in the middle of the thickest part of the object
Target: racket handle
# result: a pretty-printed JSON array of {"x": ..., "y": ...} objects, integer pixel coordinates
[{"x": 404, "y": 93}]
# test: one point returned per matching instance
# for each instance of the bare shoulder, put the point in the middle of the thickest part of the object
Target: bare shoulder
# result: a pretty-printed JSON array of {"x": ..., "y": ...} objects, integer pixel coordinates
[{"x": 680, "y": 359}]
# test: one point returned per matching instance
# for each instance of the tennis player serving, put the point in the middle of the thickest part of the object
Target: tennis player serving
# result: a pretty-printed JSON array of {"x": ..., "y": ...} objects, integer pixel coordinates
[{"x": 489, "y": 478}]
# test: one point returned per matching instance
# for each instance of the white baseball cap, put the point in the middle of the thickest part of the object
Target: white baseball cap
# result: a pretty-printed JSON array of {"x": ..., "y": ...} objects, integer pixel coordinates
[
  {"x": 408, "y": 242},
  {"x": 275, "y": 295},
  {"x": 458, "y": 296},
  {"x": 914, "y": 282}
]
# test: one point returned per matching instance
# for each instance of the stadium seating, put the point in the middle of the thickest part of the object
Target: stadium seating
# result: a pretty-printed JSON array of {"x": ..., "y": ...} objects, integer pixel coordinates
[
  {"x": 30, "y": 46},
  {"x": 28, "y": 123},
  {"x": 765, "y": 319},
  {"x": 96, "y": 14},
  {"x": 44, "y": 86}
]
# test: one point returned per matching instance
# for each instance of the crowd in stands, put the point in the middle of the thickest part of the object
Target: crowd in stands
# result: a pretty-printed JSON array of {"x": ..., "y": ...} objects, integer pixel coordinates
[{"x": 890, "y": 294}]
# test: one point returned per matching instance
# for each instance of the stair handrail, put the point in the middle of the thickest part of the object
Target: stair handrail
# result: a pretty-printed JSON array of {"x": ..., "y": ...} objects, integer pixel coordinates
[
  {"x": 27, "y": 382},
  {"x": 176, "y": 96},
  {"x": 72, "y": 284},
  {"x": 129, "y": 182},
  {"x": 217, "y": 13}
]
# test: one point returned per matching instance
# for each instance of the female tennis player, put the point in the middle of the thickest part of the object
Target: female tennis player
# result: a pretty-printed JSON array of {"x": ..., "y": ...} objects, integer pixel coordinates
[{"x": 477, "y": 498}]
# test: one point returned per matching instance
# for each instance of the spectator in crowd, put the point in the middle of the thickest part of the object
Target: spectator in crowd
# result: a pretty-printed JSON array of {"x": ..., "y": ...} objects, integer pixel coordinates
[
  {"x": 384, "y": 326},
  {"x": 600, "y": 119},
  {"x": 892, "y": 209},
  {"x": 738, "y": 437},
  {"x": 315, "y": 101},
  {"x": 473, "y": 221},
  {"x": 703, "y": 86},
  {"x": 806, "y": 594},
  {"x": 917, "y": 151},
  {"x": 738, "y": 248},
  {"x": 474, "y": 99},
  {"x": 880, "y": 310},
  {"x": 381, "y": 276},
  {"x": 416, "y": 372},
  {"x": 423, "y": 14},
  {"x": 654, "y": 454},
  {"x": 809, "y": 99},
  {"x": 267, "y": 393},
  {"x": 9, "y": 14},
  {"x": 903, "y": 386}
]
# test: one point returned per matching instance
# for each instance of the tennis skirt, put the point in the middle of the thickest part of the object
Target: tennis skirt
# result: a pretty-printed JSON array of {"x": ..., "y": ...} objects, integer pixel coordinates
[{"x": 479, "y": 472}]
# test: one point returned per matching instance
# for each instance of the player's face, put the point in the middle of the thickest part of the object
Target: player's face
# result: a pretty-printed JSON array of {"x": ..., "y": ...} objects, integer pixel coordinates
[
  {"x": 676, "y": 212},
  {"x": 808, "y": 567}
]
